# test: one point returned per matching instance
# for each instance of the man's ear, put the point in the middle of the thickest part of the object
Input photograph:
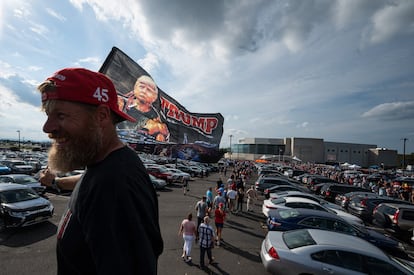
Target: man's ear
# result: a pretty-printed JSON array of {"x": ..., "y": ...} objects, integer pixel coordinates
[{"x": 104, "y": 114}]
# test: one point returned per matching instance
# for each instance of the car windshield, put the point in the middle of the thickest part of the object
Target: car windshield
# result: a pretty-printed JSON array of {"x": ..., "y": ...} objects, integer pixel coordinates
[
  {"x": 288, "y": 213},
  {"x": 297, "y": 238},
  {"x": 25, "y": 180},
  {"x": 12, "y": 196},
  {"x": 278, "y": 200}
]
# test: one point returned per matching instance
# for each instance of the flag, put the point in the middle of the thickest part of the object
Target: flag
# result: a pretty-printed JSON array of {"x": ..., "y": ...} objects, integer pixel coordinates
[{"x": 161, "y": 120}]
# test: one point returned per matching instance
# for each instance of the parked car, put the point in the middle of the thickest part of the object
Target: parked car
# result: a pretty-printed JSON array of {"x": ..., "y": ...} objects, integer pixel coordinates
[
  {"x": 278, "y": 188},
  {"x": 397, "y": 217},
  {"x": 18, "y": 166},
  {"x": 310, "y": 196},
  {"x": 316, "y": 179},
  {"x": 313, "y": 251},
  {"x": 363, "y": 206},
  {"x": 316, "y": 188},
  {"x": 160, "y": 172},
  {"x": 291, "y": 173},
  {"x": 21, "y": 206},
  {"x": 4, "y": 169},
  {"x": 180, "y": 175},
  {"x": 268, "y": 171},
  {"x": 24, "y": 179},
  {"x": 330, "y": 190},
  {"x": 343, "y": 199},
  {"x": 271, "y": 206},
  {"x": 194, "y": 171},
  {"x": 290, "y": 219},
  {"x": 264, "y": 183},
  {"x": 158, "y": 183}
]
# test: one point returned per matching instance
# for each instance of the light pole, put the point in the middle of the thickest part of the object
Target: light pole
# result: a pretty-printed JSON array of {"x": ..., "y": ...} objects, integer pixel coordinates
[
  {"x": 230, "y": 136},
  {"x": 404, "y": 141},
  {"x": 280, "y": 152},
  {"x": 18, "y": 131}
]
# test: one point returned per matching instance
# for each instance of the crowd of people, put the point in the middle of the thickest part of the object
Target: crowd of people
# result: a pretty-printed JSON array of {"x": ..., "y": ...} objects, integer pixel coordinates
[
  {"x": 215, "y": 205},
  {"x": 383, "y": 183}
]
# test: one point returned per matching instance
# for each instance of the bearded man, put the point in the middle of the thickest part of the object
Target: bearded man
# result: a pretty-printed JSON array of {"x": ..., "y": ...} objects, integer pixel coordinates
[{"x": 111, "y": 224}]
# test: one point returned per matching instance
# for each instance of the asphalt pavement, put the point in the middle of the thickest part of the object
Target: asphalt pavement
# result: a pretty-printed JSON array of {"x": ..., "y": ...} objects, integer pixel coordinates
[
  {"x": 31, "y": 250},
  {"x": 239, "y": 252}
]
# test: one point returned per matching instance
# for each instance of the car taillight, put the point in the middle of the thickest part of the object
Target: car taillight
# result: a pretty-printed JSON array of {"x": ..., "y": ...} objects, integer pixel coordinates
[
  {"x": 375, "y": 210},
  {"x": 364, "y": 202},
  {"x": 270, "y": 207},
  {"x": 395, "y": 217},
  {"x": 272, "y": 252},
  {"x": 328, "y": 193},
  {"x": 266, "y": 191}
]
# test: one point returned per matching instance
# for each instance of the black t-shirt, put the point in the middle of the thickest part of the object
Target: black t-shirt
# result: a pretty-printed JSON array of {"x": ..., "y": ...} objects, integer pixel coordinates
[{"x": 111, "y": 225}]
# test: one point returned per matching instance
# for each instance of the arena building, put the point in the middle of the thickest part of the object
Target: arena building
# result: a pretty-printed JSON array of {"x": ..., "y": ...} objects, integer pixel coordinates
[{"x": 314, "y": 150}]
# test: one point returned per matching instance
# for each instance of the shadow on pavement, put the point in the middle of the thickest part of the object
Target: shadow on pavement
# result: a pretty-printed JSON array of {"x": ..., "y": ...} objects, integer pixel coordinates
[
  {"x": 227, "y": 246},
  {"x": 35, "y": 233}
]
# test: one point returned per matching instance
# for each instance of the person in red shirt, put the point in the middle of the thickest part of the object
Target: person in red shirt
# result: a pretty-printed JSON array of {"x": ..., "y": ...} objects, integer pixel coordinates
[{"x": 219, "y": 216}]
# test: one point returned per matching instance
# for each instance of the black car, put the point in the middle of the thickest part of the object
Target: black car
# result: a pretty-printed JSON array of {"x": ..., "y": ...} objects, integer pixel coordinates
[
  {"x": 280, "y": 188},
  {"x": 330, "y": 190},
  {"x": 264, "y": 183},
  {"x": 316, "y": 179},
  {"x": 21, "y": 206},
  {"x": 363, "y": 206}
]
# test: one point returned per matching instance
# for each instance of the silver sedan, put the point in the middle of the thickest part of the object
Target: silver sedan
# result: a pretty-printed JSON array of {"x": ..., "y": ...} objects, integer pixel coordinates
[{"x": 313, "y": 251}]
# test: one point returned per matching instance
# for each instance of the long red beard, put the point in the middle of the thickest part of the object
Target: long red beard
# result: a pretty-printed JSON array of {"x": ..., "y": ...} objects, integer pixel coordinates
[{"x": 81, "y": 152}]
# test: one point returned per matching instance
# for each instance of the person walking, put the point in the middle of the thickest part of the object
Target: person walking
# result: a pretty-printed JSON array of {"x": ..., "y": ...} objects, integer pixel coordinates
[
  {"x": 231, "y": 196},
  {"x": 219, "y": 216},
  {"x": 209, "y": 196},
  {"x": 240, "y": 200},
  {"x": 206, "y": 241},
  {"x": 251, "y": 197},
  {"x": 202, "y": 210},
  {"x": 93, "y": 237},
  {"x": 186, "y": 186},
  {"x": 188, "y": 231}
]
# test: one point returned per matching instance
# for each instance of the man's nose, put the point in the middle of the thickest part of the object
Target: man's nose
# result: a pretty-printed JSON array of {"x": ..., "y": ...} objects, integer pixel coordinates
[{"x": 49, "y": 126}]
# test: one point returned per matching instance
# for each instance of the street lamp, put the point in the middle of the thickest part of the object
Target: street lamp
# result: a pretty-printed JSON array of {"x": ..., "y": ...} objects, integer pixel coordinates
[
  {"x": 404, "y": 141},
  {"x": 230, "y": 136},
  {"x": 18, "y": 131}
]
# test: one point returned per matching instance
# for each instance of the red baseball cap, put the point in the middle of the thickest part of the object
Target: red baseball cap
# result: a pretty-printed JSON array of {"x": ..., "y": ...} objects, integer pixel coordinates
[{"x": 85, "y": 86}]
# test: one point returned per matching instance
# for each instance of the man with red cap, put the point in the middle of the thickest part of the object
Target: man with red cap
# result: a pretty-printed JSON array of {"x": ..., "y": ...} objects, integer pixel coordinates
[{"x": 111, "y": 225}]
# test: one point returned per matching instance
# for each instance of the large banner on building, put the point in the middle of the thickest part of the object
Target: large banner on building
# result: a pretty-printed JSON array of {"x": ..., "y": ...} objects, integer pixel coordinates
[{"x": 161, "y": 120}]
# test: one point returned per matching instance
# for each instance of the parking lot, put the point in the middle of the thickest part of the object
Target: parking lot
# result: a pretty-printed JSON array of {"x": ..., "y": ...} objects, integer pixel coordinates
[{"x": 31, "y": 250}]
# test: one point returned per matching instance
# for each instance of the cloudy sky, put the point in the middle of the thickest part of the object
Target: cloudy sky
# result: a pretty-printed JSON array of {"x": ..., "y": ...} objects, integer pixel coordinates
[{"x": 341, "y": 70}]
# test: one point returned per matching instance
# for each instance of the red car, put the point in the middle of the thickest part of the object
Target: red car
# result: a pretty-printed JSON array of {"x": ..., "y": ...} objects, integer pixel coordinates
[{"x": 161, "y": 173}]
